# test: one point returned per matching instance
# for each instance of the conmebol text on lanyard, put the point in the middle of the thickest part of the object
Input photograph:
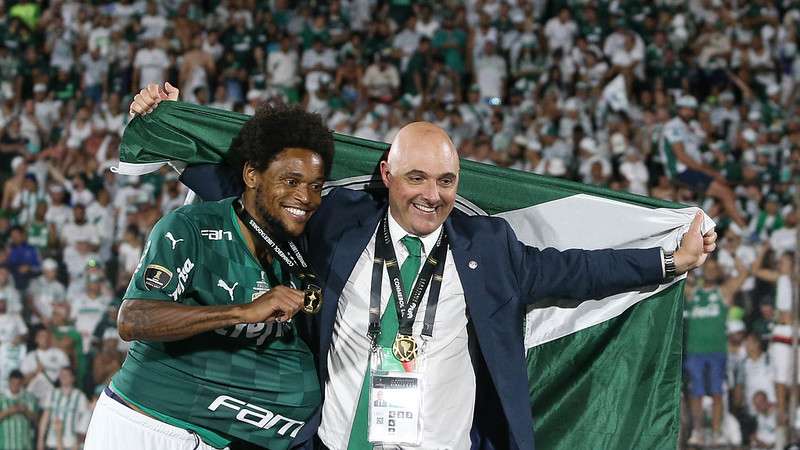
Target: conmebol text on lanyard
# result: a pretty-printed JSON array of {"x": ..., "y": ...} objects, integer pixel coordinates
[
  {"x": 292, "y": 259},
  {"x": 405, "y": 347}
]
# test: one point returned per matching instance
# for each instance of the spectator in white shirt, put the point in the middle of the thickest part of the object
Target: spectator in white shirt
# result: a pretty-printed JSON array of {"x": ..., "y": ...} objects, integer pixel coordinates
[
  {"x": 153, "y": 23},
  {"x": 318, "y": 65},
  {"x": 426, "y": 24},
  {"x": 766, "y": 423},
  {"x": 560, "y": 31},
  {"x": 282, "y": 66},
  {"x": 150, "y": 65},
  {"x": 491, "y": 72},
  {"x": 9, "y": 292},
  {"x": 406, "y": 41},
  {"x": 41, "y": 366},
  {"x": 43, "y": 292},
  {"x": 635, "y": 172},
  {"x": 381, "y": 80},
  {"x": 12, "y": 328}
]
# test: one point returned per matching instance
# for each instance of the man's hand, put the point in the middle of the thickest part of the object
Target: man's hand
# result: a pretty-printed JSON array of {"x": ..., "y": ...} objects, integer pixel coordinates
[
  {"x": 695, "y": 247},
  {"x": 280, "y": 303},
  {"x": 148, "y": 98}
]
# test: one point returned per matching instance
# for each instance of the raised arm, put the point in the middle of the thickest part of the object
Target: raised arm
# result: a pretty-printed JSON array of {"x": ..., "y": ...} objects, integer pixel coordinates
[
  {"x": 587, "y": 274},
  {"x": 732, "y": 285}
]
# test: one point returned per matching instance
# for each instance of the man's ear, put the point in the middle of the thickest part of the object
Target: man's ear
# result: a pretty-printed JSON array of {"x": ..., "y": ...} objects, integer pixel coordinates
[
  {"x": 385, "y": 173},
  {"x": 249, "y": 176}
]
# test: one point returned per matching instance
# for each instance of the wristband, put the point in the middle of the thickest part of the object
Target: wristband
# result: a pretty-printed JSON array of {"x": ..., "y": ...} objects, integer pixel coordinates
[{"x": 669, "y": 265}]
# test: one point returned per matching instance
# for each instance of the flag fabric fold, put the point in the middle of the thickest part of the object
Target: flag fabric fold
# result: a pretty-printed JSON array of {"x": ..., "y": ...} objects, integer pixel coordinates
[{"x": 603, "y": 373}]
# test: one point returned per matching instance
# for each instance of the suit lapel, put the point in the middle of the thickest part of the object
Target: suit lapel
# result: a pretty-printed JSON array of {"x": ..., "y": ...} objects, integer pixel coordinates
[{"x": 348, "y": 249}]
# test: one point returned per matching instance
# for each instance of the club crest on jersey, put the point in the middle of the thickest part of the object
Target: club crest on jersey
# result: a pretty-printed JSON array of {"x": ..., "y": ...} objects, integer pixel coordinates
[
  {"x": 156, "y": 277},
  {"x": 260, "y": 287},
  {"x": 172, "y": 239}
]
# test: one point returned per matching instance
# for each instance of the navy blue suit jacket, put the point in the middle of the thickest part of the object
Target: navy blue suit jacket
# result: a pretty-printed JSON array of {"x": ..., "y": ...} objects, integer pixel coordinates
[{"x": 508, "y": 276}]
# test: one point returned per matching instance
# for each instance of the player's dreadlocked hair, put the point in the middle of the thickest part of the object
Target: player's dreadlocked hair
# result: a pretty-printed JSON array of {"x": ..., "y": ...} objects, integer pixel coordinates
[{"x": 276, "y": 127}]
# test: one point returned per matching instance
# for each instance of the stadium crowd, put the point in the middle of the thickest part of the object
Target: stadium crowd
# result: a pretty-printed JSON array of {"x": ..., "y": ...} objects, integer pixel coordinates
[{"x": 684, "y": 100}]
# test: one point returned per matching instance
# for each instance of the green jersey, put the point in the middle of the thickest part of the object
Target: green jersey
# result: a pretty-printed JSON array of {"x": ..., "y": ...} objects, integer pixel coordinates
[
  {"x": 253, "y": 382},
  {"x": 16, "y": 431},
  {"x": 706, "y": 314}
]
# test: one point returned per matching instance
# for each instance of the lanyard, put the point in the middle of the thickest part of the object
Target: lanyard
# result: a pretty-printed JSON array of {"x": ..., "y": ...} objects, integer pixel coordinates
[
  {"x": 431, "y": 273},
  {"x": 291, "y": 258}
]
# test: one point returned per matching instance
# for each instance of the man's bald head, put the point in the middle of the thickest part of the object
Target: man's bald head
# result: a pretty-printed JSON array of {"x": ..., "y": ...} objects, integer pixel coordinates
[
  {"x": 421, "y": 139},
  {"x": 421, "y": 173}
]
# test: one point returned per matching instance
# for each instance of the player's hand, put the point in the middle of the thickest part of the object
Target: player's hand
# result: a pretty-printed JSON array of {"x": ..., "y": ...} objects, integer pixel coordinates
[
  {"x": 148, "y": 98},
  {"x": 695, "y": 247},
  {"x": 280, "y": 303}
]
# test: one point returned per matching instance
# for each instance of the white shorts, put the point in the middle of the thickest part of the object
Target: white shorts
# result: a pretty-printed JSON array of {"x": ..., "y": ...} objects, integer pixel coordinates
[
  {"x": 117, "y": 427},
  {"x": 780, "y": 357}
]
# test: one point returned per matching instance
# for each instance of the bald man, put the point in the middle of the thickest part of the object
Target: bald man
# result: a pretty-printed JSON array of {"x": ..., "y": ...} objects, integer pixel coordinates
[
  {"x": 465, "y": 343},
  {"x": 420, "y": 334}
]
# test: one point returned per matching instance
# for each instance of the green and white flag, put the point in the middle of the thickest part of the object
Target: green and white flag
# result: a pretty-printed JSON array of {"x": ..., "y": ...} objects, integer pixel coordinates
[{"x": 604, "y": 373}]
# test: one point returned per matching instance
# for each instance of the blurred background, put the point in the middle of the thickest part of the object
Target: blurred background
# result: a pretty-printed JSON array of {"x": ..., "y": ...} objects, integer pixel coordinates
[{"x": 601, "y": 92}]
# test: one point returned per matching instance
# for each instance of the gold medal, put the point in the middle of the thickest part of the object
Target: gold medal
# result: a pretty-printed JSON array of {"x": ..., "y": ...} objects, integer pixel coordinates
[
  {"x": 312, "y": 300},
  {"x": 404, "y": 348}
]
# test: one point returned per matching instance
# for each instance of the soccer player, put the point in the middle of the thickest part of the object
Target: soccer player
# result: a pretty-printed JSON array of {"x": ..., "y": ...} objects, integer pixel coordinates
[{"x": 215, "y": 360}]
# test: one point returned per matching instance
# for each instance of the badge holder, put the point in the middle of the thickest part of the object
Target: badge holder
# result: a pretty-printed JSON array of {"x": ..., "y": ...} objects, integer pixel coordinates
[{"x": 395, "y": 401}]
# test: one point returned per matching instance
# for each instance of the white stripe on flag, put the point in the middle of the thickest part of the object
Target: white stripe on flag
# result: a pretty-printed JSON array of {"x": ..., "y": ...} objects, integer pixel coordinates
[{"x": 589, "y": 222}]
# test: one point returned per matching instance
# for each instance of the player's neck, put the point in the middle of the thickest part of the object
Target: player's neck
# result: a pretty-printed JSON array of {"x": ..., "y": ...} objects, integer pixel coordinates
[{"x": 249, "y": 236}]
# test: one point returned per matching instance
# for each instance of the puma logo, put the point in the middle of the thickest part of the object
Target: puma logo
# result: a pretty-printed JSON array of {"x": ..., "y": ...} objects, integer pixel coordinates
[
  {"x": 172, "y": 239},
  {"x": 229, "y": 289}
]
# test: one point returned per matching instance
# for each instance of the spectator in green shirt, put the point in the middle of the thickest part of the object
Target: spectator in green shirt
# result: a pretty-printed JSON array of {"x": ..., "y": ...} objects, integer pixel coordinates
[{"x": 18, "y": 413}]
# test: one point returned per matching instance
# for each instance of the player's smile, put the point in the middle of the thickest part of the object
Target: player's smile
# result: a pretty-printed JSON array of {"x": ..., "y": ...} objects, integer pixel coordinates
[{"x": 289, "y": 191}]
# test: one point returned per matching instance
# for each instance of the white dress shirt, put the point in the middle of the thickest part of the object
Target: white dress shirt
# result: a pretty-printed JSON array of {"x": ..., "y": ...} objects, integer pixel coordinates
[{"x": 448, "y": 378}]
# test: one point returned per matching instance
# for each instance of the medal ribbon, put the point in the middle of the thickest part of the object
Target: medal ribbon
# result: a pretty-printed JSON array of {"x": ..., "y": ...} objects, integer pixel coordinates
[
  {"x": 291, "y": 258},
  {"x": 407, "y": 307}
]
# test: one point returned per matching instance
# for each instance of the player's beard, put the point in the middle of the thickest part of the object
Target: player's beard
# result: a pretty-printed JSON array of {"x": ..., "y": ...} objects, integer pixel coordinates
[{"x": 267, "y": 220}]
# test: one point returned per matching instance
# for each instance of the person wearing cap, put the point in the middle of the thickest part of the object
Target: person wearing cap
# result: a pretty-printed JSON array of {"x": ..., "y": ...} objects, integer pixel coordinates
[
  {"x": 19, "y": 412},
  {"x": 705, "y": 313},
  {"x": 680, "y": 154}
]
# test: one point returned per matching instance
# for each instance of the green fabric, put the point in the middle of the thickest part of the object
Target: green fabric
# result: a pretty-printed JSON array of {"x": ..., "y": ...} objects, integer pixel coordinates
[
  {"x": 263, "y": 364},
  {"x": 706, "y": 316},
  {"x": 389, "y": 326},
  {"x": 208, "y": 436},
  {"x": 622, "y": 388},
  {"x": 636, "y": 357},
  {"x": 17, "y": 431}
]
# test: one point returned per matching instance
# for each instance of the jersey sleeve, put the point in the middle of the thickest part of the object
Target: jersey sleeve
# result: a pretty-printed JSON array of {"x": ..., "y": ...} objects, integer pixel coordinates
[
  {"x": 167, "y": 265},
  {"x": 673, "y": 134}
]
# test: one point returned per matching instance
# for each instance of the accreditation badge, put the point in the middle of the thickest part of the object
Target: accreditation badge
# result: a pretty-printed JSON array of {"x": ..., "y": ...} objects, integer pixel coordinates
[{"x": 395, "y": 402}]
